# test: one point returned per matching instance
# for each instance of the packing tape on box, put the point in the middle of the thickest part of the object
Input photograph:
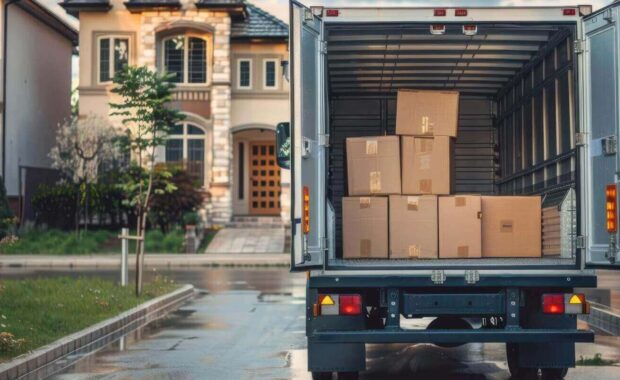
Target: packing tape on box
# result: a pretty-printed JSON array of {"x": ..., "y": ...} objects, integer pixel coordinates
[
  {"x": 372, "y": 147},
  {"x": 412, "y": 203},
  {"x": 462, "y": 251},
  {"x": 426, "y": 186},
  {"x": 365, "y": 247},
  {"x": 460, "y": 201},
  {"x": 414, "y": 251},
  {"x": 375, "y": 182},
  {"x": 426, "y": 126},
  {"x": 424, "y": 162},
  {"x": 506, "y": 225},
  {"x": 365, "y": 202}
]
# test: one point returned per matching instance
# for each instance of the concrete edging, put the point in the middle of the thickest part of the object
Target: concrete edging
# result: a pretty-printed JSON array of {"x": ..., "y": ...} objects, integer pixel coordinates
[
  {"x": 93, "y": 337},
  {"x": 151, "y": 260}
]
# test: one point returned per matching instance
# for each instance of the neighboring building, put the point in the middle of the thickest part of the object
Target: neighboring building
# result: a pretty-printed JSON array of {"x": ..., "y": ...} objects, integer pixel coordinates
[
  {"x": 35, "y": 56},
  {"x": 227, "y": 56}
]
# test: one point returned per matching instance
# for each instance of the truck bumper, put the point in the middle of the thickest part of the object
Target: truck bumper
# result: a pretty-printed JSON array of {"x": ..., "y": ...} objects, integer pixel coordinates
[{"x": 453, "y": 336}]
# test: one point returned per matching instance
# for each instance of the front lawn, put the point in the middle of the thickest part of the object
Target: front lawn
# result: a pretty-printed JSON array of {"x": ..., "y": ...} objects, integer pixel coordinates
[
  {"x": 35, "y": 312},
  {"x": 56, "y": 242}
]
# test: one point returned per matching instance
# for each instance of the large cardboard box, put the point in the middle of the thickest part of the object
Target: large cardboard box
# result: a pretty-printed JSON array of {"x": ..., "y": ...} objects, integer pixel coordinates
[
  {"x": 365, "y": 227},
  {"x": 460, "y": 226},
  {"x": 427, "y": 165},
  {"x": 413, "y": 227},
  {"x": 511, "y": 226},
  {"x": 427, "y": 113},
  {"x": 373, "y": 165}
]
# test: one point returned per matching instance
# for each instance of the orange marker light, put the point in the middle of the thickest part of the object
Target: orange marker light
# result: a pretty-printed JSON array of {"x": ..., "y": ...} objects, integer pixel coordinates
[
  {"x": 306, "y": 211},
  {"x": 611, "y": 208}
]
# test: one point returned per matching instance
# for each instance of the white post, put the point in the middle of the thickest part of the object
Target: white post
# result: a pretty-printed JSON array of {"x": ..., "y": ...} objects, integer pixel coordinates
[{"x": 124, "y": 254}]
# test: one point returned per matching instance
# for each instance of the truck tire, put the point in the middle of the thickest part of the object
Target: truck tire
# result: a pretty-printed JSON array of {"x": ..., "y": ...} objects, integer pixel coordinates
[
  {"x": 554, "y": 373},
  {"x": 348, "y": 375},
  {"x": 321, "y": 376},
  {"x": 516, "y": 372}
]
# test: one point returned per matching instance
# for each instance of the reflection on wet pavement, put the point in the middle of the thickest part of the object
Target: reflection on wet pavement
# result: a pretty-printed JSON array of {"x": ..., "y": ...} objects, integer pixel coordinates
[{"x": 249, "y": 324}]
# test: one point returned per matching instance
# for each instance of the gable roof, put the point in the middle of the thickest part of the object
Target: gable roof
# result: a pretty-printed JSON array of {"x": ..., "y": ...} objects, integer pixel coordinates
[
  {"x": 249, "y": 21},
  {"x": 258, "y": 23}
]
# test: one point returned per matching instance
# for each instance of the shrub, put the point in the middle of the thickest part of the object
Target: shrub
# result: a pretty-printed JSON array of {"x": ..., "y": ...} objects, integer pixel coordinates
[
  {"x": 191, "y": 219},
  {"x": 6, "y": 215},
  {"x": 167, "y": 208}
]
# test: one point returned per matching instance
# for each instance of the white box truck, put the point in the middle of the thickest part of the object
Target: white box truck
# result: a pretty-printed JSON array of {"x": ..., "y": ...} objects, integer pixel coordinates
[{"x": 539, "y": 115}]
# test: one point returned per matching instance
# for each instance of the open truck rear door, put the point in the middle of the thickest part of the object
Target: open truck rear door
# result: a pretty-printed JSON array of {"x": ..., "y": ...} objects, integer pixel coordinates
[
  {"x": 601, "y": 119},
  {"x": 308, "y": 138}
]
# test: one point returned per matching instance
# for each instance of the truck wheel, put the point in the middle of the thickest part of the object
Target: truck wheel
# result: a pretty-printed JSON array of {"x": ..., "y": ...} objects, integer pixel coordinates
[
  {"x": 348, "y": 376},
  {"x": 516, "y": 372},
  {"x": 554, "y": 373},
  {"x": 321, "y": 376}
]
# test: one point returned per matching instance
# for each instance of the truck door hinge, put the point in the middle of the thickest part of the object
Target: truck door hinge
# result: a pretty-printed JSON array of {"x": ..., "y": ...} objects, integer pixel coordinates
[
  {"x": 580, "y": 139},
  {"x": 323, "y": 47},
  {"x": 438, "y": 277},
  {"x": 579, "y": 46},
  {"x": 324, "y": 244},
  {"x": 324, "y": 140},
  {"x": 472, "y": 277},
  {"x": 580, "y": 242}
]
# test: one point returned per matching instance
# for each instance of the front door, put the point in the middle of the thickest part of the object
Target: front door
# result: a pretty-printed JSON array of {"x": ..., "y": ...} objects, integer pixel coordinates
[{"x": 265, "y": 188}]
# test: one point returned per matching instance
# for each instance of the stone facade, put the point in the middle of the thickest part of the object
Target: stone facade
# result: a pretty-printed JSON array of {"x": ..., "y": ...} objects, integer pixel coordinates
[{"x": 213, "y": 105}]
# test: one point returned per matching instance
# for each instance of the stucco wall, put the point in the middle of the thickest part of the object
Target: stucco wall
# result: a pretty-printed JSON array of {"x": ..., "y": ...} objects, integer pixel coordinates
[{"x": 39, "y": 92}]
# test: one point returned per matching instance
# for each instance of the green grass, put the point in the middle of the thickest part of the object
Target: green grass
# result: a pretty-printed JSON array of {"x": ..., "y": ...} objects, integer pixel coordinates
[
  {"x": 597, "y": 360},
  {"x": 35, "y": 312},
  {"x": 55, "y": 242}
]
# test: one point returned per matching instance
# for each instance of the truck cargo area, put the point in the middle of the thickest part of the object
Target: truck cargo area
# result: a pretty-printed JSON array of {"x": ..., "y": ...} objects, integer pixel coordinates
[{"x": 517, "y": 117}]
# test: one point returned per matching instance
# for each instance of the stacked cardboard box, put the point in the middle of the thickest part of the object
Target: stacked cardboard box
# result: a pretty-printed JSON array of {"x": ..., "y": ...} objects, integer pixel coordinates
[{"x": 421, "y": 219}]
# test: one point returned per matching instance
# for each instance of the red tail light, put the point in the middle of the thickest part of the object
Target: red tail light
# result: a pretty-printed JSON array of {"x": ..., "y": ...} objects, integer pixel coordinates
[
  {"x": 350, "y": 304},
  {"x": 569, "y": 12},
  {"x": 553, "y": 303},
  {"x": 611, "y": 208},
  {"x": 460, "y": 12}
]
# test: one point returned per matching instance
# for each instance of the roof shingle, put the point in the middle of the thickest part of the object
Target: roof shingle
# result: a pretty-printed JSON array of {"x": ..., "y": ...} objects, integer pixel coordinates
[{"x": 258, "y": 23}]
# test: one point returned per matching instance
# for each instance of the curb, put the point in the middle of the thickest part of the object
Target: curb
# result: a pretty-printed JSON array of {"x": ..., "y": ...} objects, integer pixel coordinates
[
  {"x": 150, "y": 260},
  {"x": 40, "y": 362}
]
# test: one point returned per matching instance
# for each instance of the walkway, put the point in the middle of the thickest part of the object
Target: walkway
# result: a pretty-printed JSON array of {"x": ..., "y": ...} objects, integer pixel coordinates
[{"x": 248, "y": 240}]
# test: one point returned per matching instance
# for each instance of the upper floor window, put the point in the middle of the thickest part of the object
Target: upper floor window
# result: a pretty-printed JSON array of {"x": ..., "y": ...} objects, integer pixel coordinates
[
  {"x": 113, "y": 56},
  {"x": 186, "y": 58},
  {"x": 244, "y": 74},
  {"x": 270, "y": 78}
]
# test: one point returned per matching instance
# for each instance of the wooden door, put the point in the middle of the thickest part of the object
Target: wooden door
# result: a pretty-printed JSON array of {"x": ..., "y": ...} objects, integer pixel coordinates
[{"x": 265, "y": 188}]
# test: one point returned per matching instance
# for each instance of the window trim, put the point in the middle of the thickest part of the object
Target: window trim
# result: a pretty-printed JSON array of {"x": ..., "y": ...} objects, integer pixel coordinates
[
  {"x": 276, "y": 82},
  {"x": 186, "y": 37},
  {"x": 239, "y": 86},
  {"x": 112, "y": 37},
  {"x": 185, "y": 137}
]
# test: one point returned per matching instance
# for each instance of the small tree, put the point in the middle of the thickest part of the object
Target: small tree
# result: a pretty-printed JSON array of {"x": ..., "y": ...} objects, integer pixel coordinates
[
  {"x": 83, "y": 147},
  {"x": 7, "y": 220},
  {"x": 143, "y": 108}
]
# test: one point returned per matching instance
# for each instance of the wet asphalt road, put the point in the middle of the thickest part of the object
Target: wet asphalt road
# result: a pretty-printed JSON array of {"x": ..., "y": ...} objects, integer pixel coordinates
[{"x": 250, "y": 325}]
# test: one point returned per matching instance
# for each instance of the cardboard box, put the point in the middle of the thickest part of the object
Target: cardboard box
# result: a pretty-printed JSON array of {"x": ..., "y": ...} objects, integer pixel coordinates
[
  {"x": 413, "y": 227},
  {"x": 460, "y": 227},
  {"x": 511, "y": 226},
  {"x": 427, "y": 113},
  {"x": 373, "y": 165},
  {"x": 427, "y": 165},
  {"x": 365, "y": 227}
]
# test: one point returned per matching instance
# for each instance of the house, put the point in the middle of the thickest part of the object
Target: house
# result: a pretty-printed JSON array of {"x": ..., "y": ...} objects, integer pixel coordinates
[
  {"x": 35, "y": 81},
  {"x": 227, "y": 57}
]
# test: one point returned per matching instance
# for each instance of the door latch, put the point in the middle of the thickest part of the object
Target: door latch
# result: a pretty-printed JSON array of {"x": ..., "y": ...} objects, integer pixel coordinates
[
  {"x": 472, "y": 277},
  {"x": 580, "y": 139},
  {"x": 579, "y": 46},
  {"x": 610, "y": 145},
  {"x": 438, "y": 277}
]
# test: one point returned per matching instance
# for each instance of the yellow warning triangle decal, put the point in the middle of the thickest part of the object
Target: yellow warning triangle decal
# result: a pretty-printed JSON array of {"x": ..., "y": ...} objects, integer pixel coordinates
[
  {"x": 327, "y": 300},
  {"x": 574, "y": 300}
]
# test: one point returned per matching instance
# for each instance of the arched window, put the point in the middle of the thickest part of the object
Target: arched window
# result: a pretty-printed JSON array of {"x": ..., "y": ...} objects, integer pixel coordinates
[
  {"x": 185, "y": 56},
  {"x": 186, "y": 147}
]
